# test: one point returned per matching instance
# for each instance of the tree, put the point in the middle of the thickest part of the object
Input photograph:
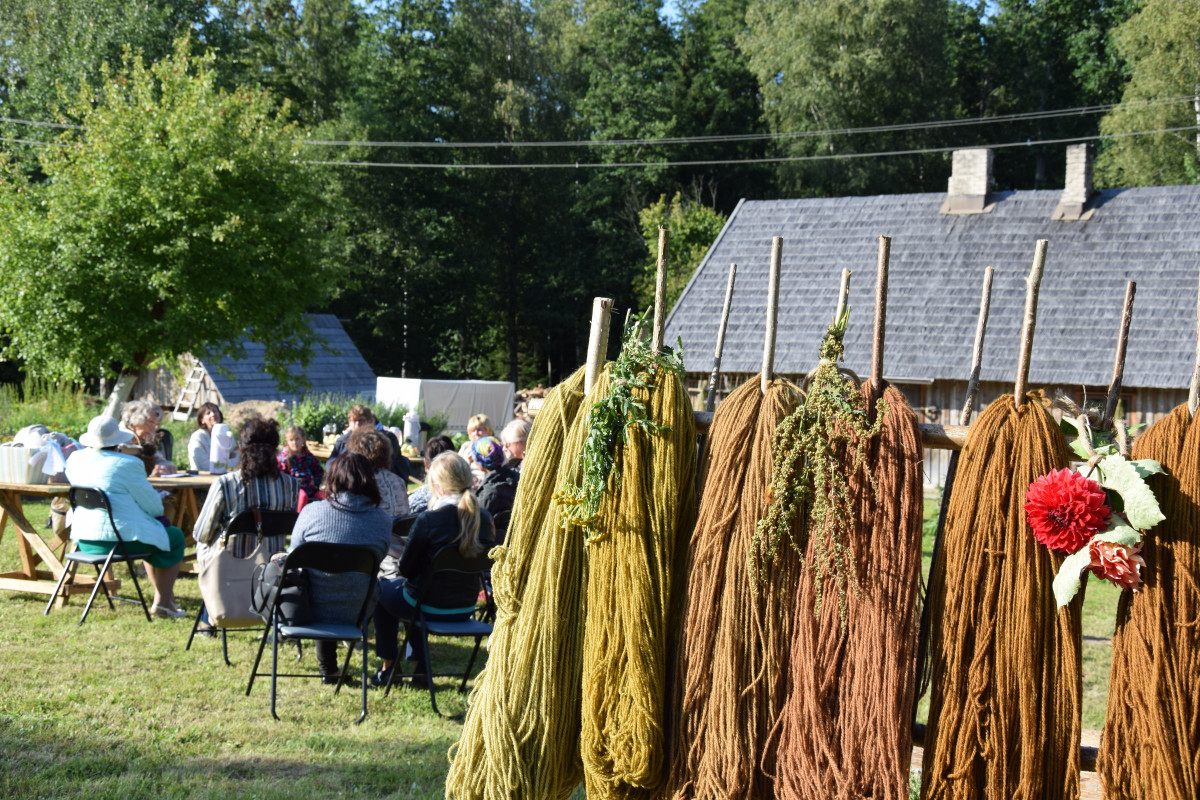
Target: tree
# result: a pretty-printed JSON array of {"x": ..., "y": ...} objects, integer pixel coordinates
[
  {"x": 692, "y": 227},
  {"x": 179, "y": 218},
  {"x": 1162, "y": 45},
  {"x": 845, "y": 64}
]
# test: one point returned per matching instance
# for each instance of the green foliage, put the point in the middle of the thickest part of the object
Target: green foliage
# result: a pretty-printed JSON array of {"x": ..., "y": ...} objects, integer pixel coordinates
[
  {"x": 58, "y": 405},
  {"x": 179, "y": 221},
  {"x": 843, "y": 64},
  {"x": 609, "y": 421},
  {"x": 1161, "y": 43},
  {"x": 692, "y": 228},
  {"x": 314, "y": 412},
  {"x": 816, "y": 449}
]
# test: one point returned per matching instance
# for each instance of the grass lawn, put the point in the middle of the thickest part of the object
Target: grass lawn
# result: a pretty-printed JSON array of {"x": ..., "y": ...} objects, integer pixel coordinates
[{"x": 117, "y": 709}]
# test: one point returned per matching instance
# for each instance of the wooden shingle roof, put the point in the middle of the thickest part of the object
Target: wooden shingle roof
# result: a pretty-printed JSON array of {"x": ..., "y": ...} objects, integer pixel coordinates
[
  {"x": 336, "y": 368},
  {"x": 1148, "y": 235}
]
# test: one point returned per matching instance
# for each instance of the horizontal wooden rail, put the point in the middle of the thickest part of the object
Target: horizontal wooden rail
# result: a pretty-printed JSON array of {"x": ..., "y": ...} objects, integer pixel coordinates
[{"x": 934, "y": 437}]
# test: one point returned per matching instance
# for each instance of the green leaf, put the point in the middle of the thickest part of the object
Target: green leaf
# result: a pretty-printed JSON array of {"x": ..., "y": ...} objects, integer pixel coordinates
[
  {"x": 1068, "y": 581},
  {"x": 1147, "y": 467},
  {"x": 1118, "y": 532},
  {"x": 1078, "y": 448},
  {"x": 1141, "y": 506}
]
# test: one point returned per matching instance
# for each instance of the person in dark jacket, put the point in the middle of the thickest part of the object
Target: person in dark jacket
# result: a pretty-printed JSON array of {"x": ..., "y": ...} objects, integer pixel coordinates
[
  {"x": 453, "y": 519},
  {"x": 350, "y": 515},
  {"x": 498, "y": 489},
  {"x": 363, "y": 418}
]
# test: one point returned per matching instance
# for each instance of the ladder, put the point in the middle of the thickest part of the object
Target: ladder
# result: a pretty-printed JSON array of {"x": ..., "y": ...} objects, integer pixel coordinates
[{"x": 186, "y": 402}]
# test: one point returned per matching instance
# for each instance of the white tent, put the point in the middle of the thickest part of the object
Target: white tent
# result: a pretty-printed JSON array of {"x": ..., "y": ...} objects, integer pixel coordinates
[{"x": 459, "y": 400}]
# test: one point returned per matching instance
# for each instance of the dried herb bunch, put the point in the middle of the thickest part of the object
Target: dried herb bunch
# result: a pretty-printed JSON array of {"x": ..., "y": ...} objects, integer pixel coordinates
[
  {"x": 816, "y": 449},
  {"x": 609, "y": 421}
]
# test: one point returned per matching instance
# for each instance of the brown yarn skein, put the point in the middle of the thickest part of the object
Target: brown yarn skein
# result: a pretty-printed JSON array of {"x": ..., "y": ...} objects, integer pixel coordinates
[
  {"x": 1004, "y": 661},
  {"x": 1151, "y": 743},
  {"x": 731, "y": 676},
  {"x": 846, "y": 730}
]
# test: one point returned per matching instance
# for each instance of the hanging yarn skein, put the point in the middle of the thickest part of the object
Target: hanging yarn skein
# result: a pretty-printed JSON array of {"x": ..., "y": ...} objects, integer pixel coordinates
[
  {"x": 730, "y": 675},
  {"x": 1004, "y": 717},
  {"x": 636, "y": 554},
  {"x": 1151, "y": 744},
  {"x": 520, "y": 739},
  {"x": 846, "y": 732}
]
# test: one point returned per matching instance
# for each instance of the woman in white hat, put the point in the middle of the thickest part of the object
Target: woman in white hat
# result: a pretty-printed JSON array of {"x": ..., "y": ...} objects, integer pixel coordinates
[{"x": 136, "y": 508}]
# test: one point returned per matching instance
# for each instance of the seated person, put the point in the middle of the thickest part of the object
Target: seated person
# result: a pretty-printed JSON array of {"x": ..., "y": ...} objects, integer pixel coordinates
[
  {"x": 377, "y": 449},
  {"x": 477, "y": 426},
  {"x": 136, "y": 509},
  {"x": 299, "y": 462},
  {"x": 362, "y": 417},
  {"x": 418, "y": 501},
  {"x": 200, "y": 443},
  {"x": 257, "y": 483},
  {"x": 453, "y": 519},
  {"x": 349, "y": 515},
  {"x": 498, "y": 489},
  {"x": 143, "y": 418},
  {"x": 513, "y": 438}
]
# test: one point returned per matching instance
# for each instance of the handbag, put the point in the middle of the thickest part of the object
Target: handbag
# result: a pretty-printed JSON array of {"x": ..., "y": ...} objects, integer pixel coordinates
[
  {"x": 226, "y": 581},
  {"x": 291, "y": 586}
]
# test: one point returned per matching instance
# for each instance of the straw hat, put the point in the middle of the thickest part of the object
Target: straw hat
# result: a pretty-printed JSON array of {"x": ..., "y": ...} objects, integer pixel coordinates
[{"x": 103, "y": 431}]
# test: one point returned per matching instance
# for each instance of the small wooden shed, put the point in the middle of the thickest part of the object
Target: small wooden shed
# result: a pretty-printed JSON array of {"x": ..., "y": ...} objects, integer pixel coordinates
[
  {"x": 940, "y": 247},
  {"x": 336, "y": 368}
]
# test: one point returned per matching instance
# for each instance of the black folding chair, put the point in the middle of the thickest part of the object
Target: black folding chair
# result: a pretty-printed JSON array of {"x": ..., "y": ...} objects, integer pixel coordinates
[
  {"x": 245, "y": 531},
  {"x": 454, "y": 582},
  {"x": 332, "y": 559},
  {"x": 95, "y": 499}
]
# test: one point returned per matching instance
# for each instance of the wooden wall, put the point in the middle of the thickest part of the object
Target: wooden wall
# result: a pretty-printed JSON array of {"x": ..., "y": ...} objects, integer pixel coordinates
[{"x": 162, "y": 386}]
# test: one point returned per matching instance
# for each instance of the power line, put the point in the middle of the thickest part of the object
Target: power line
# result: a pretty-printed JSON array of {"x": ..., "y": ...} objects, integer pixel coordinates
[
  {"x": 40, "y": 124},
  {"x": 747, "y": 137},
  {"x": 720, "y": 138},
  {"x": 732, "y": 161}
]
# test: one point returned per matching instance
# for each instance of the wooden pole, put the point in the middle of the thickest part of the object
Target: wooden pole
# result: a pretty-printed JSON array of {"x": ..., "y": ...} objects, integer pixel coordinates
[
  {"x": 660, "y": 293},
  {"x": 985, "y": 303},
  {"x": 1194, "y": 391},
  {"x": 597, "y": 341},
  {"x": 768, "y": 359},
  {"x": 843, "y": 295},
  {"x": 881, "y": 289},
  {"x": 710, "y": 402},
  {"x": 1032, "y": 285},
  {"x": 1114, "y": 388}
]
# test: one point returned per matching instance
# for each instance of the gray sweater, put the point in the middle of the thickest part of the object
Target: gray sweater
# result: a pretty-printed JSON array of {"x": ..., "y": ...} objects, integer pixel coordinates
[{"x": 344, "y": 519}]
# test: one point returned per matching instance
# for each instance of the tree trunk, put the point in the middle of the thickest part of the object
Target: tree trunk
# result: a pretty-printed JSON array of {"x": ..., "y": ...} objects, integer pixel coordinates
[{"x": 120, "y": 393}]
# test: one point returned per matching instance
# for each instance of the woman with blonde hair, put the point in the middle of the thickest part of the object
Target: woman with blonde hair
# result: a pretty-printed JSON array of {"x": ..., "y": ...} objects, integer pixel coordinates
[{"x": 454, "y": 519}]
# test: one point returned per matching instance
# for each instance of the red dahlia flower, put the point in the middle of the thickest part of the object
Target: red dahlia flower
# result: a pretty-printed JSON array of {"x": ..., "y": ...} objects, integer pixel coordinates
[
  {"x": 1064, "y": 509},
  {"x": 1117, "y": 563}
]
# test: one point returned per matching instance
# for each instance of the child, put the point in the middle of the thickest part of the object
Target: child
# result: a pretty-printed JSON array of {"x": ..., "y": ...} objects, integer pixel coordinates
[{"x": 297, "y": 461}]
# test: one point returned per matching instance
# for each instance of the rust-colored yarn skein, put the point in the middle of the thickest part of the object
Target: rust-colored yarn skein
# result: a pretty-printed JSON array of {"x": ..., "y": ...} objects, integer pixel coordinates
[
  {"x": 1005, "y": 671},
  {"x": 1151, "y": 744},
  {"x": 730, "y": 674},
  {"x": 846, "y": 729}
]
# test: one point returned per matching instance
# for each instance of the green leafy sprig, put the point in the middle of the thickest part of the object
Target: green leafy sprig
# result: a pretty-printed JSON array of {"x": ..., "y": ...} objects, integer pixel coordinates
[
  {"x": 816, "y": 449},
  {"x": 609, "y": 421}
]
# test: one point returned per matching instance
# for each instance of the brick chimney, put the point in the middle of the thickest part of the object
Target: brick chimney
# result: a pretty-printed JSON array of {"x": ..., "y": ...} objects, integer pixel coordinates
[
  {"x": 1078, "y": 189},
  {"x": 970, "y": 180}
]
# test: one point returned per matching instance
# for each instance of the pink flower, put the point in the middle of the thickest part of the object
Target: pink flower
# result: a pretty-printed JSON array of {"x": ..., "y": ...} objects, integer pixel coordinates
[
  {"x": 1064, "y": 509},
  {"x": 1117, "y": 563}
]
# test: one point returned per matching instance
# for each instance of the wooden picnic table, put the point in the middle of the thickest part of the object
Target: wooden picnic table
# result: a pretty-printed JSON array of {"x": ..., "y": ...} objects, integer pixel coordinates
[{"x": 47, "y": 552}]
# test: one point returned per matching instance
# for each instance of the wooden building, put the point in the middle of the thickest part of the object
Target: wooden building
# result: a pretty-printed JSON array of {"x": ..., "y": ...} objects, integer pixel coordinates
[
  {"x": 336, "y": 368},
  {"x": 941, "y": 244}
]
